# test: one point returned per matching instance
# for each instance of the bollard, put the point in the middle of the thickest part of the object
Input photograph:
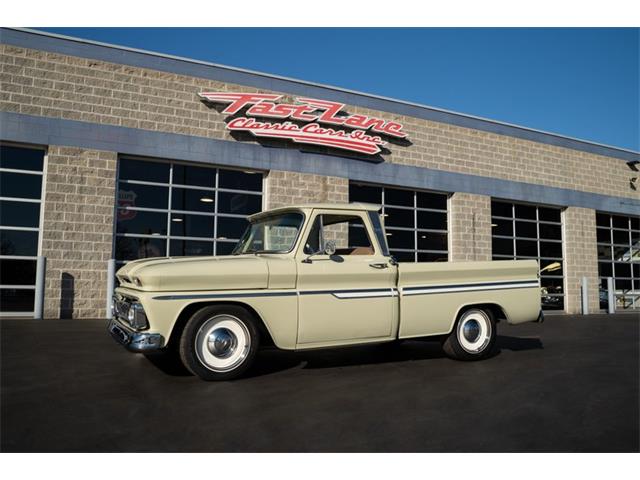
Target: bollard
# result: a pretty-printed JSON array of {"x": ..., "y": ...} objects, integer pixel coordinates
[
  {"x": 111, "y": 281},
  {"x": 38, "y": 304},
  {"x": 585, "y": 297},
  {"x": 611, "y": 297}
]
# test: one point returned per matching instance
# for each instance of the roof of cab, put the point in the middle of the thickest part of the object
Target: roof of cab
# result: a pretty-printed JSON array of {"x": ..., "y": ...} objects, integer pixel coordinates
[{"x": 321, "y": 206}]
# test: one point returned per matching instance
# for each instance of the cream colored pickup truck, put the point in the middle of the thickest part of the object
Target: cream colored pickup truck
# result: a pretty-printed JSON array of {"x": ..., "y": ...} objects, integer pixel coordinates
[{"x": 314, "y": 276}]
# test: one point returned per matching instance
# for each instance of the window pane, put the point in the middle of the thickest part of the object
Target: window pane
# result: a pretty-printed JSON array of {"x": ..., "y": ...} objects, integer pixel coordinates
[
  {"x": 358, "y": 236},
  {"x": 502, "y": 246},
  {"x": 231, "y": 228},
  {"x": 432, "y": 257},
  {"x": 239, "y": 203},
  {"x": 198, "y": 176},
  {"x": 365, "y": 193},
  {"x": 432, "y": 220},
  {"x": 603, "y": 236},
  {"x": 620, "y": 222},
  {"x": 602, "y": 220},
  {"x": 526, "y": 212},
  {"x": 21, "y": 158},
  {"x": 132, "y": 248},
  {"x": 224, "y": 248},
  {"x": 238, "y": 180},
  {"x": 431, "y": 200},
  {"x": 551, "y": 249},
  {"x": 17, "y": 272},
  {"x": 636, "y": 270},
  {"x": 15, "y": 242},
  {"x": 621, "y": 237},
  {"x": 527, "y": 248},
  {"x": 549, "y": 214},
  {"x": 635, "y": 223},
  {"x": 551, "y": 267},
  {"x": 501, "y": 209},
  {"x": 180, "y": 248},
  {"x": 20, "y": 185},
  {"x": 622, "y": 270},
  {"x": 635, "y": 237},
  {"x": 403, "y": 256},
  {"x": 145, "y": 171},
  {"x": 19, "y": 214},
  {"x": 396, "y": 217},
  {"x": 393, "y": 196},
  {"x": 400, "y": 239},
  {"x": 550, "y": 232},
  {"x": 192, "y": 225},
  {"x": 621, "y": 253},
  {"x": 553, "y": 285},
  {"x": 551, "y": 302},
  {"x": 605, "y": 269},
  {"x": 526, "y": 229},
  {"x": 622, "y": 284},
  {"x": 192, "y": 200},
  {"x": 148, "y": 223},
  {"x": 16, "y": 300},
  {"x": 604, "y": 252},
  {"x": 147, "y": 196},
  {"x": 432, "y": 241},
  {"x": 501, "y": 227}
]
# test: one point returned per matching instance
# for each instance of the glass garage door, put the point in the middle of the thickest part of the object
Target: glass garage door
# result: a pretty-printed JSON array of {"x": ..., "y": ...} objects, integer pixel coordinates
[
  {"x": 173, "y": 209},
  {"x": 415, "y": 221},
  {"x": 20, "y": 201},
  {"x": 520, "y": 231},
  {"x": 618, "y": 240}
]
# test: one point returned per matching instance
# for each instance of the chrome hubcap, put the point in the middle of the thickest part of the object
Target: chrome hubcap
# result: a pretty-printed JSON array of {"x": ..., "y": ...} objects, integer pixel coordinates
[
  {"x": 222, "y": 342},
  {"x": 471, "y": 330}
]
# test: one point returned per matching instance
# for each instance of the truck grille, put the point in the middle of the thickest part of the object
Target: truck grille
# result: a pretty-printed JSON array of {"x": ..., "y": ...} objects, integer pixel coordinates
[{"x": 121, "y": 307}]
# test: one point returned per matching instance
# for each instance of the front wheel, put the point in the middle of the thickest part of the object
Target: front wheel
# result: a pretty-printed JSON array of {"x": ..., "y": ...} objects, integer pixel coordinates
[
  {"x": 473, "y": 337},
  {"x": 219, "y": 342}
]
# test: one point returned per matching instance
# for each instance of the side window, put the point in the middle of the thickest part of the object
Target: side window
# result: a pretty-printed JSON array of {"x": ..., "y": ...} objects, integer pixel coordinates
[{"x": 347, "y": 231}]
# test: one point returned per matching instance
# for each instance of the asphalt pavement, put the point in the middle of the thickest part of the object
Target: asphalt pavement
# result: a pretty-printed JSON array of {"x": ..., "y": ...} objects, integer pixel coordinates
[{"x": 570, "y": 384}]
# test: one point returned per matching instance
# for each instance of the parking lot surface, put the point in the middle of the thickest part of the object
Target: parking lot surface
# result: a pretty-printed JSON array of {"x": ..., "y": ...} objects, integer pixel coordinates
[{"x": 570, "y": 384}]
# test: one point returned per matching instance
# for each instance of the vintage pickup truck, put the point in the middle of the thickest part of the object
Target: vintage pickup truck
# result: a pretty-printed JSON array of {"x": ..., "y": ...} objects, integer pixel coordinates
[{"x": 314, "y": 276}]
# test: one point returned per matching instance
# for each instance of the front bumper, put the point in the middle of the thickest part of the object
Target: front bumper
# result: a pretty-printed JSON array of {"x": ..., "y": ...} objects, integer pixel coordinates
[
  {"x": 540, "y": 317},
  {"x": 135, "y": 341}
]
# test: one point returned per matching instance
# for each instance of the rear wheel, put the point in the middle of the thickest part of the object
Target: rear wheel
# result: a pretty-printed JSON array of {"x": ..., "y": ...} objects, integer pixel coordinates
[
  {"x": 473, "y": 337},
  {"x": 219, "y": 342}
]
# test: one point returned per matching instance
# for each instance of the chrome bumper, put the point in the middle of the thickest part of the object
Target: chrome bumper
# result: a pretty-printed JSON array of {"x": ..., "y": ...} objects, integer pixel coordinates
[{"x": 135, "y": 341}]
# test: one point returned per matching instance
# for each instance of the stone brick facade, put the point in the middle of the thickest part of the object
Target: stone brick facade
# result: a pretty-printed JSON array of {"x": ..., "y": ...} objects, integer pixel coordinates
[
  {"x": 580, "y": 258},
  {"x": 469, "y": 227},
  {"x": 287, "y": 188},
  {"x": 52, "y": 85},
  {"x": 77, "y": 230}
]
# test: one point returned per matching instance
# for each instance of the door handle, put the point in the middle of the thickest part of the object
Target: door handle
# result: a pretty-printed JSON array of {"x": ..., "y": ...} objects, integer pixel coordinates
[{"x": 379, "y": 265}]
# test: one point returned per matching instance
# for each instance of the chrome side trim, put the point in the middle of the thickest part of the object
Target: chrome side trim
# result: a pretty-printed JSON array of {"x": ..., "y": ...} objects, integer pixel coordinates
[
  {"x": 469, "y": 287},
  {"x": 214, "y": 296}
]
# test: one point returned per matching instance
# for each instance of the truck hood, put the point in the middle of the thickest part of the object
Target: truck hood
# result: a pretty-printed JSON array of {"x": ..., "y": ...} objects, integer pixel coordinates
[{"x": 196, "y": 273}]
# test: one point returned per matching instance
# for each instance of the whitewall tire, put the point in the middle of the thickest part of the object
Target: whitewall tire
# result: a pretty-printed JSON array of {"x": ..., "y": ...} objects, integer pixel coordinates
[
  {"x": 219, "y": 342},
  {"x": 473, "y": 336}
]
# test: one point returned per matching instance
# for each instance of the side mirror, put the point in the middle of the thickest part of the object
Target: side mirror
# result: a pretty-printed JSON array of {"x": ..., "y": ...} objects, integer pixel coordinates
[{"x": 329, "y": 247}]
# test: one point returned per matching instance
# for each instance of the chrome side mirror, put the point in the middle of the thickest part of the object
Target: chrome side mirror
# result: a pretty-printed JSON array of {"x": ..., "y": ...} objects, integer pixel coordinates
[{"x": 330, "y": 247}]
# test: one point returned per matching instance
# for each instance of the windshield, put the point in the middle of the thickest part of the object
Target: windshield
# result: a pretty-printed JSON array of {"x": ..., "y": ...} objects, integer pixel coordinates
[{"x": 273, "y": 234}]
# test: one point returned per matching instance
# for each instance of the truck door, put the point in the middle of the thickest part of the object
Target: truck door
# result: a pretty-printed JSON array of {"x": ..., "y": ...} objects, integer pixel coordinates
[{"x": 349, "y": 296}]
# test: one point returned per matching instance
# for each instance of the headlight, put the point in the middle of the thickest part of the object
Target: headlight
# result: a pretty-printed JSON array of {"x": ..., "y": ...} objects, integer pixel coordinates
[
  {"x": 136, "y": 281},
  {"x": 136, "y": 317}
]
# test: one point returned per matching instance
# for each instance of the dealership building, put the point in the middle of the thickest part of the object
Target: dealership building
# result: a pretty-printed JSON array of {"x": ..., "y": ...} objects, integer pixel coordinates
[{"x": 113, "y": 154}]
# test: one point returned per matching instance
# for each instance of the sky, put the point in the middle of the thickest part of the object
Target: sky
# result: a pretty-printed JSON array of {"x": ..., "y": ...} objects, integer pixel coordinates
[{"x": 577, "y": 82}]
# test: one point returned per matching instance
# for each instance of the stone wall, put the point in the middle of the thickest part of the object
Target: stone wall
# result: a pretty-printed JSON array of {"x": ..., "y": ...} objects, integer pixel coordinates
[
  {"x": 469, "y": 227},
  {"x": 77, "y": 230}
]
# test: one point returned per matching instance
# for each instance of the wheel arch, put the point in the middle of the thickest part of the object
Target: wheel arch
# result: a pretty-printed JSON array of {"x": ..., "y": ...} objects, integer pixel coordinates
[
  {"x": 496, "y": 310},
  {"x": 266, "y": 339}
]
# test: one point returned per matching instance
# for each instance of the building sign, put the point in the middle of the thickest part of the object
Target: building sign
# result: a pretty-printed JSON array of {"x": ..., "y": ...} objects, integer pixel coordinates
[{"x": 356, "y": 133}]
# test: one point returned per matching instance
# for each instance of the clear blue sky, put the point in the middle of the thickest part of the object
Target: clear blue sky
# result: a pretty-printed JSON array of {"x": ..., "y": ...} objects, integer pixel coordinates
[{"x": 582, "y": 83}]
